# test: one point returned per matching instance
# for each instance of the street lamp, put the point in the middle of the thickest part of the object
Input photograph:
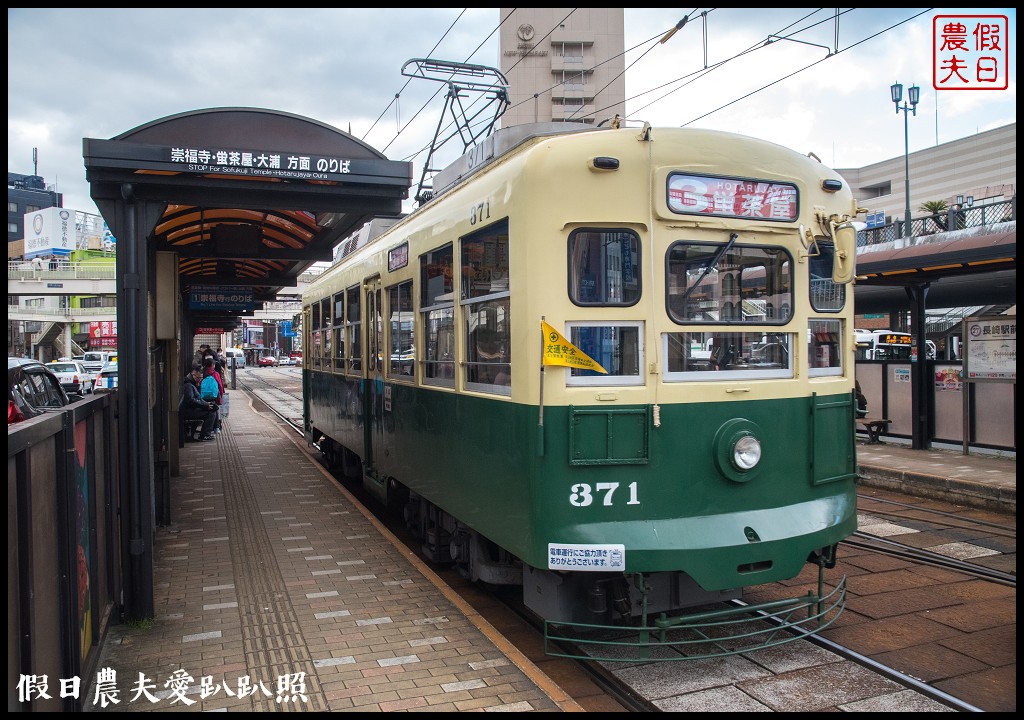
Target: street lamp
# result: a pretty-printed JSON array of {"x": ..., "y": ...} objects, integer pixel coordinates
[{"x": 914, "y": 95}]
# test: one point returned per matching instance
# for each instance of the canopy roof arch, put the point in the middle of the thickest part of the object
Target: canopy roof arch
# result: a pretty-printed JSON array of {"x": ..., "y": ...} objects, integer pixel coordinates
[{"x": 246, "y": 197}]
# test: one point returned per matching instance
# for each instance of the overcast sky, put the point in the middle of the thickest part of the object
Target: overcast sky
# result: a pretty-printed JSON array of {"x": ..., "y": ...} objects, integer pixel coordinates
[{"x": 76, "y": 73}]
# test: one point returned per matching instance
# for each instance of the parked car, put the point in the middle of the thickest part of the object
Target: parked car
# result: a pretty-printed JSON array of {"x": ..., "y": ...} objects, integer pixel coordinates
[
  {"x": 106, "y": 379},
  {"x": 32, "y": 389},
  {"x": 73, "y": 376},
  {"x": 267, "y": 361}
]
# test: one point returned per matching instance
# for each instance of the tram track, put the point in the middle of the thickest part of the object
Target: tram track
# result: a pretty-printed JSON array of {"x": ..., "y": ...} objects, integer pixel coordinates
[
  {"x": 906, "y": 508},
  {"x": 605, "y": 678},
  {"x": 908, "y": 552}
]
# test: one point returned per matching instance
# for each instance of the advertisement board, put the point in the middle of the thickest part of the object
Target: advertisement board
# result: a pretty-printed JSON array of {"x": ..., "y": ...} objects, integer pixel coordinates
[{"x": 50, "y": 231}]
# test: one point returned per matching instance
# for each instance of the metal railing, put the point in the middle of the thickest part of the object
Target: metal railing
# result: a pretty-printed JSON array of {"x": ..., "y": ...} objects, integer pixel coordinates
[
  {"x": 60, "y": 314},
  {"x": 952, "y": 219},
  {"x": 62, "y": 270}
]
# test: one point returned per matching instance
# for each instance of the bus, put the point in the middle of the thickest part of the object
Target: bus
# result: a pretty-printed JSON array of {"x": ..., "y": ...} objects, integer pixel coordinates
[{"x": 887, "y": 345}]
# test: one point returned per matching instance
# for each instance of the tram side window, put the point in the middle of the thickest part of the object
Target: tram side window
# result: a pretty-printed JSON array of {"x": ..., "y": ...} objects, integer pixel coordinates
[
  {"x": 604, "y": 267},
  {"x": 826, "y": 296},
  {"x": 485, "y": 302},
  {"x": 353, "y": 326},
  {"x": 314, "y": 331},
  {"x": 729, "y": 283},
  {"x": 616, "y": 348},
  {"x": 400, "y": 331},
  {"x": 437, "y": 306},
  {"x": 325, "y": 332},
  {"x": 824, "y": 347},
  {"x": 339, "y": 331}
]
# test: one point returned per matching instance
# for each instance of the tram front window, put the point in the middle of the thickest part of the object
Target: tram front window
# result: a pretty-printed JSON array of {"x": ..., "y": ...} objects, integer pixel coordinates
[
  {"x": 707, "y": 355},
  {"x": 729, "y": 283}
]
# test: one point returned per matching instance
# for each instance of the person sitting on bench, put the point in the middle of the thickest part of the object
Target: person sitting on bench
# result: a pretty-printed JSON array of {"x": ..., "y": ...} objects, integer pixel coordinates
[{"x": 193, "y": 407}]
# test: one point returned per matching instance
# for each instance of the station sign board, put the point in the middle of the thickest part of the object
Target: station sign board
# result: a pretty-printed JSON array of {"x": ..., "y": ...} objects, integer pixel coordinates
[
  {"x": 876, "y": 219},
  {"x": 990, "y": 348},
  {"x": 230, "y": 298}
]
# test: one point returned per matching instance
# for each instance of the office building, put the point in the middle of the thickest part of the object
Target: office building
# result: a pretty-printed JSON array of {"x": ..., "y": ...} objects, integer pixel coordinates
[{"x": 563, "y": 64}]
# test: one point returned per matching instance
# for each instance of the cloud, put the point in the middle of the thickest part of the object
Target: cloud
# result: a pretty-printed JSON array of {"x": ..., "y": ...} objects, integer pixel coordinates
[{"x": 76, "y": 73}]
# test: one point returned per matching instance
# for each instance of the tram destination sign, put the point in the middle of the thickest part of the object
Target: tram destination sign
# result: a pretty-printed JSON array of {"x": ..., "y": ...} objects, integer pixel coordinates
[{"x": 731, "y": 197}]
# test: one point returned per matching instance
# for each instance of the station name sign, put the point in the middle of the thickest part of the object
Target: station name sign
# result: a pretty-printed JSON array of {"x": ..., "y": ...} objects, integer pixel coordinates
[
  {"x": 221, "y": 297},
  {"x": 243, "y": 162},
  {"x": 264, "y": 163}
]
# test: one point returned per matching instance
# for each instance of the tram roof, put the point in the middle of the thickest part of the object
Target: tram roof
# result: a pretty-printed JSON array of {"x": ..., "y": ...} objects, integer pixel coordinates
[{"x": 246, "y": 196}]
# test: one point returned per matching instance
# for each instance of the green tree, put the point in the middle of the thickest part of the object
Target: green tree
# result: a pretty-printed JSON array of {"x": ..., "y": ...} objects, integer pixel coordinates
[
  {"x": 939, "y": 210},
  {"x": 934, "y": 207}
]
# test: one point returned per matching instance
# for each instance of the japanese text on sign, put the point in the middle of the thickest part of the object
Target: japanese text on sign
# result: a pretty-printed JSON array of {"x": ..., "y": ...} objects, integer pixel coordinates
[
  {"x": 731, "y": 197},
  {"x": 970, "y": 52},
  {"x": 221, "y": 298},
  {"x": 588, "y": 558},
  {"x": 243, "y": 162},
  {"x": 990, "y": 348}
]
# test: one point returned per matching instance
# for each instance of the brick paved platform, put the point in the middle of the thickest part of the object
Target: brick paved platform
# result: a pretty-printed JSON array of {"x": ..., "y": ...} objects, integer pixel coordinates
[{"x": 273, "y": 591}]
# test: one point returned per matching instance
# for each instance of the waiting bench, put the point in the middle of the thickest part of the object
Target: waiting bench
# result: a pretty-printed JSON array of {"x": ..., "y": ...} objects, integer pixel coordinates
[{"x": 874, "y": 426}]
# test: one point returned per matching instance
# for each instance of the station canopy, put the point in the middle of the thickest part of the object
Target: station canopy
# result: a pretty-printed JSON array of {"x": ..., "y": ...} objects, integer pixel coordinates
[
  {"x": 248, "y": 198},
  {"x": 974, "y": 266}
]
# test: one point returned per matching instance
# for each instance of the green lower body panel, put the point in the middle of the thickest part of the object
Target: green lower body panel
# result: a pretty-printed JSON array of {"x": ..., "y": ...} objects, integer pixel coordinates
[{"x": 605, "y": 485}]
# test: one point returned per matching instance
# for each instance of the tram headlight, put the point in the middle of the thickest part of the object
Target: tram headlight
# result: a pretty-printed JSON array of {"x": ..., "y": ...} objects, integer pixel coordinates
[
  {"x": 746, "y": 452},
  {"x": 738, "y": 450}
]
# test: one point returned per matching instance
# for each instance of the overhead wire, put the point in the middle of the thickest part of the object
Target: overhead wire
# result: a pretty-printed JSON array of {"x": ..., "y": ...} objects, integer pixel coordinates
[
  {"x": 760, "y": 45},
  {"x": 397, "y": 94},
  {"x": 438, "y": 91},
  {"x": 448, "y": 127},
  {"x": 686, "y": 79}
]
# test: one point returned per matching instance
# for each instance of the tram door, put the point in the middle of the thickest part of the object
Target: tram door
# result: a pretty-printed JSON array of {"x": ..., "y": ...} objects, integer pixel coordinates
[{"x": 374, "y": 378}]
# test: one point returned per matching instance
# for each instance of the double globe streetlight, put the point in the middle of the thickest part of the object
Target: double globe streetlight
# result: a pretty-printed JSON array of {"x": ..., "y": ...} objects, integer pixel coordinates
[{"x": 914, "y": 95}]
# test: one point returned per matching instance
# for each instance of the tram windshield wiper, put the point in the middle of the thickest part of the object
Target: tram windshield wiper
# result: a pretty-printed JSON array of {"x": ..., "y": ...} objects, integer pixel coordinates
[{"x": 733, "y": 237}]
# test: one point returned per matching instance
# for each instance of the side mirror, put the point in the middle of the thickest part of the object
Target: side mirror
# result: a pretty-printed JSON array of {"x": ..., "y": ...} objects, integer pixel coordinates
[{"x": 844, "y": 259}]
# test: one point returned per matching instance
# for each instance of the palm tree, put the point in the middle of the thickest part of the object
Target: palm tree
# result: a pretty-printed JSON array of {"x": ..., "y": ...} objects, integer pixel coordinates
[{"x": 939, "y": 210}]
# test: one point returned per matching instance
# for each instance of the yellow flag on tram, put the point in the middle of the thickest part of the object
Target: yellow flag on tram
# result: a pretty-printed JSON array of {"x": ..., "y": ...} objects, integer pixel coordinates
[{"x": 559, "y": 351}]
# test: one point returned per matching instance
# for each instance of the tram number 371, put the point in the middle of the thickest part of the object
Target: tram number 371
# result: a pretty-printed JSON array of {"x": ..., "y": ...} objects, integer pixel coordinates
[
  {"x": 582, "y": 495},
  {"x": 480, "y": 212}
]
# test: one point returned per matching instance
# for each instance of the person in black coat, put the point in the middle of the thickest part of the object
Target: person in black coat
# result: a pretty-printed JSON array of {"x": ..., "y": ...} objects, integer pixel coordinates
[{"x": 193, "y": 407}]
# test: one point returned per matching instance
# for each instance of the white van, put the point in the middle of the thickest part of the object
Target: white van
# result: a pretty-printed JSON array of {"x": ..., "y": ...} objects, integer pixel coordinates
[
  {"x": 94, "y": 361},
  {"x": 233, "y": 357}
]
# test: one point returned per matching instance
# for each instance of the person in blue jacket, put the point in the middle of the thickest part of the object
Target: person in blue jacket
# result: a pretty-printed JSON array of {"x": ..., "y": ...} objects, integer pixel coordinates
[{"x": 193, "y": 407}]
